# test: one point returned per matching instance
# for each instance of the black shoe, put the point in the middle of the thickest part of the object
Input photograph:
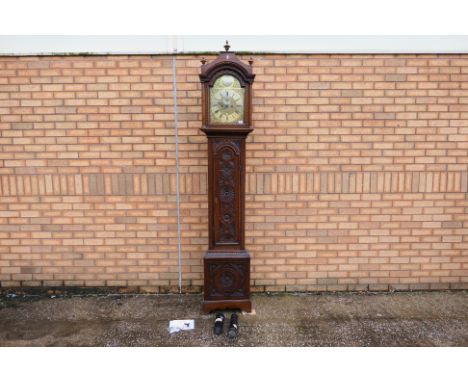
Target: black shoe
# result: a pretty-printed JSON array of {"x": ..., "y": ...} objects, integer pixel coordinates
[
  {"x": 219, "y": 322},
  {"x": 233, "y": 327}
]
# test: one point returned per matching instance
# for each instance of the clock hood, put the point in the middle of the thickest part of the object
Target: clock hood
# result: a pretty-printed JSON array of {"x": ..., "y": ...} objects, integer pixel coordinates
[{"x": 227, "y": 62}]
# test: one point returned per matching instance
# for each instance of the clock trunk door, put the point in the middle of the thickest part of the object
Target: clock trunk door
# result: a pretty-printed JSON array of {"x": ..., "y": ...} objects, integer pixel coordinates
[{"x": 226, "y": 196}]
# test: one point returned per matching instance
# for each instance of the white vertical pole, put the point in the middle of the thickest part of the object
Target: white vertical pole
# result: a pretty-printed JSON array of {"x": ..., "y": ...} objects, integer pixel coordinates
[{"x": 176, "y": 131}]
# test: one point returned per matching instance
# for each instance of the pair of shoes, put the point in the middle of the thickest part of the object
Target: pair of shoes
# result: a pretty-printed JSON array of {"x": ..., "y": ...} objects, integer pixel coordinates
[{"x": 233, "y": 329}]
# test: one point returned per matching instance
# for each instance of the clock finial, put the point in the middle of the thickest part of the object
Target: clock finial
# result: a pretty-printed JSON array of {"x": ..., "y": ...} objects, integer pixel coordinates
[{"x": 227, "y": 46}]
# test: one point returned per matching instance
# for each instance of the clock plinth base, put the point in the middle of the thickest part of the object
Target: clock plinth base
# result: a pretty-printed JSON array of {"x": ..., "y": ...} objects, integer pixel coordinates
[
  {"x": 227, "y": 281},
  {"x": 244, "y": 305}
]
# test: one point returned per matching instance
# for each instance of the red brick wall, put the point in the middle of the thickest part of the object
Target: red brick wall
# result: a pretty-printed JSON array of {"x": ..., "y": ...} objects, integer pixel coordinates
[{"x": 356, "y": 172}]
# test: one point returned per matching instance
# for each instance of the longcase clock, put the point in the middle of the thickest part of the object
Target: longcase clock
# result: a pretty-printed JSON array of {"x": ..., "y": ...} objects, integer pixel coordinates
[{"x": 226, "y": 116}]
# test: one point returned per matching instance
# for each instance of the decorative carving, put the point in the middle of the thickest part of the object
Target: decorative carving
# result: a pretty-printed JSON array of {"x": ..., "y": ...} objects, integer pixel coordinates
[
  {"x": 227, "y": 279},
  {"x": 235, "y": 144},
  {"x": 226, "y": 194},
  {"x": 227, "y": 168}
]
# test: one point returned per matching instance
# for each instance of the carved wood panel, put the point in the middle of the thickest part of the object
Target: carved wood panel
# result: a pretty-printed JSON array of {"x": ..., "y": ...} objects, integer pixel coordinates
[
  {"x": 226, "y": 194},
  {"x": 227, "y": 278}
]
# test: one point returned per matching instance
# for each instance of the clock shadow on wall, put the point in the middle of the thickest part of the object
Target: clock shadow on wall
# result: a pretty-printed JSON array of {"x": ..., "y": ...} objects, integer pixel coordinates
[{"x": 226, "y": 117}]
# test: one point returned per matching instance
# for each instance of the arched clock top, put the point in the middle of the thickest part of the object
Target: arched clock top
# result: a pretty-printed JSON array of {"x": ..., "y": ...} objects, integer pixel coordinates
[
  {"x": 226, "y": 61},
  {"x": 227, "y": 72},
  {"x": 227, "y": 94},
  {"x": 211, "y": 78}
]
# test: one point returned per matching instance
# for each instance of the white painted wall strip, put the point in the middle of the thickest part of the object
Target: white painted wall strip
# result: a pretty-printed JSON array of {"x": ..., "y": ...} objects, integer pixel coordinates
[
  {"x": 39, "y": 45},
  {"x": 176, "y": 132}
]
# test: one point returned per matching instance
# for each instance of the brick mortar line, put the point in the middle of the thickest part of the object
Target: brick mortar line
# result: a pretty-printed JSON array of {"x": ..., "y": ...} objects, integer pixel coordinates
[
  {"x": 189, "y": 56},
  {"x": 247, "y": 194},
  {"x": 257, "y": 128},
  {"x": 438, "y": 81},
  {"x": 259, "y": 97},
  {"x": 251, "y": 173}
]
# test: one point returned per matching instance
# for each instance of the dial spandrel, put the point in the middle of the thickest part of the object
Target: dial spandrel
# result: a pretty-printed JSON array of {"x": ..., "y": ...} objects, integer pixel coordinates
[{"x": 227, "y": 101}]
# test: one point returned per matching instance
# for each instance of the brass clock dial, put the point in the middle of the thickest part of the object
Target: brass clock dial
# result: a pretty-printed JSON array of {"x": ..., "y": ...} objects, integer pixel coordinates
[{"x": 227, "y": 101}]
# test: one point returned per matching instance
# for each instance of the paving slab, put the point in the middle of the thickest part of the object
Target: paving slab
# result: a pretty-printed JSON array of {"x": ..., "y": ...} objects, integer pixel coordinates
[{"x": 328, "y": 319}]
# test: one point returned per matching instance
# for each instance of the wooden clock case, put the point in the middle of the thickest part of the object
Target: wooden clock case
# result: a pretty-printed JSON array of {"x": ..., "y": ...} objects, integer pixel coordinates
[{"x": 226, "y": 263}]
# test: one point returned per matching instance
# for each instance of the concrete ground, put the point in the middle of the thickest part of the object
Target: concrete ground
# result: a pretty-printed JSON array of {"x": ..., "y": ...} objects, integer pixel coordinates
[{"x": 332, "y": 319}]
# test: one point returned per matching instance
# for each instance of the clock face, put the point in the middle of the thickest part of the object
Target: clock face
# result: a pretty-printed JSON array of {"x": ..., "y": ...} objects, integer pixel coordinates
[{"x": 227, "y": 101}]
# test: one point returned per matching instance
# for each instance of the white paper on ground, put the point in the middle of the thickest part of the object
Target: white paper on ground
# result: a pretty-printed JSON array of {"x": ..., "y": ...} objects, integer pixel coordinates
[{"x": 177, "y": 325}]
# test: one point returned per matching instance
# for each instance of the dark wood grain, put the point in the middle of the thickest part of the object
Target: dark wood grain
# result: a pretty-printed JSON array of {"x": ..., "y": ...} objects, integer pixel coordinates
[{"x": 226, "y": 263}]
